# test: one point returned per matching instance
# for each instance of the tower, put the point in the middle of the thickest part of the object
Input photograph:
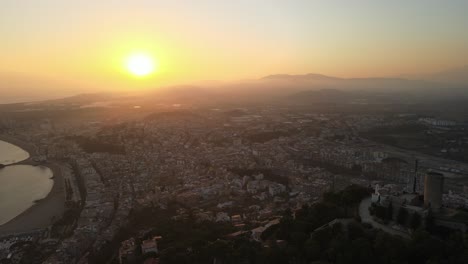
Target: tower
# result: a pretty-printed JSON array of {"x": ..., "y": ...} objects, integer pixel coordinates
[{"x": 433, "y": 189}]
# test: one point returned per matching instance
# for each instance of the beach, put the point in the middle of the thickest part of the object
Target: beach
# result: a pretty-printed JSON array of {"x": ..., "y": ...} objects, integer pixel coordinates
[
  {"x": 45, "y": 211},
  {"x": 28, "y": 147}
]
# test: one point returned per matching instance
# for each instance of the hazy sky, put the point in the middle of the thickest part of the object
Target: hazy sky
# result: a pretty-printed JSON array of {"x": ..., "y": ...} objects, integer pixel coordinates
[{"x": 88, "y": 40}]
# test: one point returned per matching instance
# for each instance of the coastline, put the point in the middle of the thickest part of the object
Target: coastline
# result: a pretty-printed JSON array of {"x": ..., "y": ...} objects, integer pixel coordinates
[
  {"x": 28, "y": 147},
  {"x": 44, "y": 211}
]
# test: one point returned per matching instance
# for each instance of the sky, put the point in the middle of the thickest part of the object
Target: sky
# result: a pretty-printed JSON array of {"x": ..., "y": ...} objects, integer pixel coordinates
[{"x": 88, "y": 41}]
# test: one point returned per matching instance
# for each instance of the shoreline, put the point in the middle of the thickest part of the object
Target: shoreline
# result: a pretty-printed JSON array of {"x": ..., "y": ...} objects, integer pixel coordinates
[
  {"x": 42, "y": 213},
  {"x": 28, "y": 147}
]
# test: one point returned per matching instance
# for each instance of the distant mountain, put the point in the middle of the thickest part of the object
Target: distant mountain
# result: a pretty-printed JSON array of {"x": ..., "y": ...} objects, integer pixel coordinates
[
  {"x": 81, "y": 99},
  {"x": 315, "y": 88},
  {"x": 318, "y": 82},
  {"x": 18, "y": 87},
  {"x": 304, "y": 77},
  {"x": 183, "y": 94},
  {"x": 322, "y": 93},
  {"x": 457, "y": 76},
  {"x": 335, "y": 96},
  {"x": 171, "y": 114},
  {"x": 322, "y": 96},
  {"x": 303, "y": 88}
]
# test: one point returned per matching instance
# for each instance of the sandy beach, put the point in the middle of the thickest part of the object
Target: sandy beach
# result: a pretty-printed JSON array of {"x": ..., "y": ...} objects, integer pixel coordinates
[
  {"x": 43, "y": 212},
  {"x": 30, "y": 148}
]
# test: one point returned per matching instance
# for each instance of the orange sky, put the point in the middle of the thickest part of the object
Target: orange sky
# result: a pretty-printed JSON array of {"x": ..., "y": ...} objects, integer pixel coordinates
[{"x": 87, "y": 42}]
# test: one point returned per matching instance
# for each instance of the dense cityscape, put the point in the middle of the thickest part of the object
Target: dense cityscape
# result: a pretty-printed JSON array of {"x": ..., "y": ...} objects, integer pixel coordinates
[{"x": 239, "y": 168}]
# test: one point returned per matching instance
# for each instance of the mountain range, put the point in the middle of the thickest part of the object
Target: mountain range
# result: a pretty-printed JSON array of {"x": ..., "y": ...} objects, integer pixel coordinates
[{"x": 308, "y": 87}]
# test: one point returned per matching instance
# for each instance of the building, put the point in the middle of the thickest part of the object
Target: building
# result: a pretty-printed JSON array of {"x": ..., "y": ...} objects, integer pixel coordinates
[
  {"x": 433, "y": 189},
  {"x": 149, "y": 245},
  {"x": 127, "y": 251}
]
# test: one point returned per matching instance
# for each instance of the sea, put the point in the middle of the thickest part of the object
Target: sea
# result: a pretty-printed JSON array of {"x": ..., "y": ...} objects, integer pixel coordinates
[{"x": 20, "y": 185}]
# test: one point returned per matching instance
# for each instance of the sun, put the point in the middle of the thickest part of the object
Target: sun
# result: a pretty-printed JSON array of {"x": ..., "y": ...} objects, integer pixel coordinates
[{"x": 140, "y": 64}]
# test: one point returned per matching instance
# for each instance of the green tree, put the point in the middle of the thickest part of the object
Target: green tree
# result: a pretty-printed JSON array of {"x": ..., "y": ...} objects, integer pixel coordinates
[
  {"x": 424, "y": 247},
  {"x": 415, "y": 221},
  {"x": 457, "y": 248},
  {"x": 337, "y": 247},
  {"x": 298, "y": 238},
  {"x": 402, "y": 216},
  {"x": 362, "y": 251},
  {"x": 312, "y": 249},
  {"x": 174, "y": 256},
  {"x": 221, "y": 250},
  {"x": 380, "y": 212},
  {"x": 355, "y": 230},
  {"x": 389, "y": 249},
  {"x": 429, "y": 221},
  {"x": 389, "y": 212}
]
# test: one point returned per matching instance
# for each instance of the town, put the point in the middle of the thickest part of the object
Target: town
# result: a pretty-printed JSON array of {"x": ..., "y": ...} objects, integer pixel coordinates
[{"x": 243, "y": 167}]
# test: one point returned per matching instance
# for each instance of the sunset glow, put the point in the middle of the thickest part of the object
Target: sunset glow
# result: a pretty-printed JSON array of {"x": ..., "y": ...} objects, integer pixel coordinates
[
  {"x": 117, "y": 45},
  {"x": 140, "y": 65}
]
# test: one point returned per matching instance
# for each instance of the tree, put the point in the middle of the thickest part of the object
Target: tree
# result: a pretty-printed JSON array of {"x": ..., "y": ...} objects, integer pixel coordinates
[
  {"x": 221, "y": 250},
  {"x": 269, "y": 232},
  {"x": 424, "y": 247},
  {"x": 415, "y": 221},
  {"x": 275, "y": 255},
  {"x": 402, "y": 216},
  {"x": 337, "y": 247},
  {"x": 361, "y": 251},
  {"x": 313, "y": 249},
  {"x": 298, "y": 238},
  {"x": 389, "y": 212},
  {"x": 380, "y": 212},
  {"x": 429, "y": 221},
  {"x": 389, "y": 249},
  {"x": 457, "y": 246},
  {"x": 175, "y": 256},
  {"x": 355, "y": 230}
]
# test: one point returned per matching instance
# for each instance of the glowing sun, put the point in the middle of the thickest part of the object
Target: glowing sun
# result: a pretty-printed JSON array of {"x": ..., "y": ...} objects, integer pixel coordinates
[{"x": 140, "y": 65}]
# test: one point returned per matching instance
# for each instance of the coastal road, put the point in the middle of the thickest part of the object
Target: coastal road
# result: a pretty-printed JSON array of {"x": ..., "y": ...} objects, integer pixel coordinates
[{"x": 367, "y": 218}]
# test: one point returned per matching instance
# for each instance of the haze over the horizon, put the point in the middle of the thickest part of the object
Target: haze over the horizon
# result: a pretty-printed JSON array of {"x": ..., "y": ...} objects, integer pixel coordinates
[{"x": 84, "y": 43}]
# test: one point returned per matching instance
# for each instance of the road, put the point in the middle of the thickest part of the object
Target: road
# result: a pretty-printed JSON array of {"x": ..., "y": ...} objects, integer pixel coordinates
[{"x": 367, "y": 218}]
